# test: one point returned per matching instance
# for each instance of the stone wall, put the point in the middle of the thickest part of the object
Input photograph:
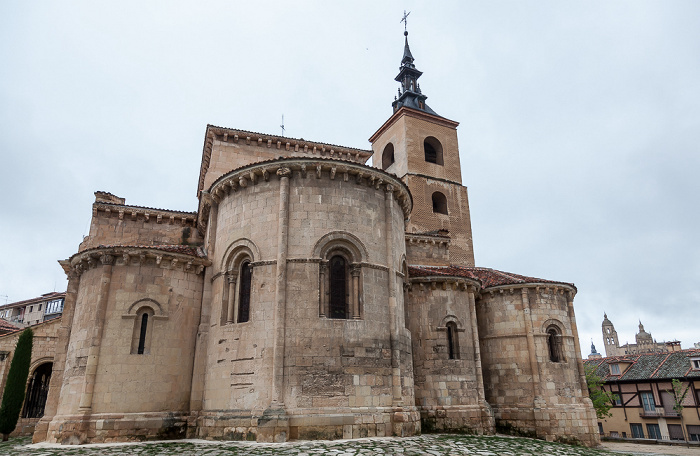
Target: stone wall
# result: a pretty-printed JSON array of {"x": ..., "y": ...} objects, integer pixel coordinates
[
  {"x": 449, "y": 384},
  {"x": 43, "y": 349},
  {"x": 341, "y": 377},
  {"x": 531, "y": 394},
  {"x": 133, "y": 225},
  {"x": 108, "y": 390}
]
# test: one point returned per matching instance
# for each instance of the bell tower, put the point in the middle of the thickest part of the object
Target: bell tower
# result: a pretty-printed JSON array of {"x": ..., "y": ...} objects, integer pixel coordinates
[
  {"x": 610, "y": 341},
  {"x": 420, "y": 147}
]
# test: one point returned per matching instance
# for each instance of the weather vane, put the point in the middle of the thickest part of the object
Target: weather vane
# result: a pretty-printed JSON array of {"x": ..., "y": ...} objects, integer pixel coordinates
[
  {"x": 282, "y": 126},
  {"x": 404, "y": 20}
]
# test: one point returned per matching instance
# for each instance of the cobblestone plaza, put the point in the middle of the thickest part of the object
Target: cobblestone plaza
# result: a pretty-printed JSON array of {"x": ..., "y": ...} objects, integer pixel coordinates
[{"x": 435, "y": 445}]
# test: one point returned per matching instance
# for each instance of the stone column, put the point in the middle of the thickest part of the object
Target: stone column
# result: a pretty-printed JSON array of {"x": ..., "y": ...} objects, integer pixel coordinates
[
  {"x": 322, "y": 299},
  {"x": 231, "y": 314},
  {"x": 281, "y": 290},
  {"x": 475, "y": 341},
  {"x": 391, "y": 277},
  {"x": 199, "y": 370},
  {"x": 96, "y": 336},
  {"x": 577, "y": 346},
  {"x": 59, "y": 358},
  {"x": 355, "y": 273},
  {"x": 531, "y": 348}
]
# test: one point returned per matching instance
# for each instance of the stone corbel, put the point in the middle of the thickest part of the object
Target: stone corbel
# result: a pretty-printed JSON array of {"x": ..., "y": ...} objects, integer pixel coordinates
[
  {"x": 107, "y": 259},
  {"x": 242, "y": 182},
  {"x": 318, "y": 171},
  {"x": 333, "y": 170},
  {"x": 303, "y": 171}
]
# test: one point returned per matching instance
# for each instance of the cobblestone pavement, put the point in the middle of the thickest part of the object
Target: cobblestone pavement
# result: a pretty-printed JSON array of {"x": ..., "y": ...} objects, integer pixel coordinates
[
  {"x": 651, "y": 450},
  {"x": 431, "y": 445}
]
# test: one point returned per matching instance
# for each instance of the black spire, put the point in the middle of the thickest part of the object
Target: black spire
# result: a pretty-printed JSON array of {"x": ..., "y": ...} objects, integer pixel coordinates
[{"x": 410, "y": 94}]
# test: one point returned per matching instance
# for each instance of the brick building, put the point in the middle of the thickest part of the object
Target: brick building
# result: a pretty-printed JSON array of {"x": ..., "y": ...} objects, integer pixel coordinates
[{"x": 311, "y": 296}]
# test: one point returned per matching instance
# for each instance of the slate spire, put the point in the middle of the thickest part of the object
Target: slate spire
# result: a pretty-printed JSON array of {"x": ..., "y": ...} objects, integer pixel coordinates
[{"x": 410, "y": 94}]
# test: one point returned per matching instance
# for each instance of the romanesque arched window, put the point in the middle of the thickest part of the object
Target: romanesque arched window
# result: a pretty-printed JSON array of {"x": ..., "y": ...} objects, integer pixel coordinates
[
  {"x": 555, "y": 344},
  {"x": 439, "y": 203},
  {"x": 338, "y": 288},
  {"x": 246, "y": 276},
  {"x": 237, "y": 287},
  {"x": 340, "y": 275},
  {"x": 143, "y": 328},
  {"x": 433, "y": 150},
  {"x": 388, "y": 156},
  {"x": 452, "y": 341}
]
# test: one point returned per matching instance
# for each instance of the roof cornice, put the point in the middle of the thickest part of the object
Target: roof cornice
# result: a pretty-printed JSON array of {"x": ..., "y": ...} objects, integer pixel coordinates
[
  {"x": 267, "y": 140},
  {"x": 405, "y": 111}
]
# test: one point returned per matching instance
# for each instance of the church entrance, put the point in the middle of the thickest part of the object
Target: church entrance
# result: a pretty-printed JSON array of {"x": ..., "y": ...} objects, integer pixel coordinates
[{"x": 37, "y": 390}]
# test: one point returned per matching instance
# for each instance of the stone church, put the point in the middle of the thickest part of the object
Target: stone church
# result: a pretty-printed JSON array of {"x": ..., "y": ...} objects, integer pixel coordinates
[{"x": 311, "y": 295}]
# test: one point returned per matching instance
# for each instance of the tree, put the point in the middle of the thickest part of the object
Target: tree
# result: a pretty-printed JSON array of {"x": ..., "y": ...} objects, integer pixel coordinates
[
  {"x": 13, "y": 397},
  {"x": 602, "y": 399},
  {"x": 679, "y": 392}
]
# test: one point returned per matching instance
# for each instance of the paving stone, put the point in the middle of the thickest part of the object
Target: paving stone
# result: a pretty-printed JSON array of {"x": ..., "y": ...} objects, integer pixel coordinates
[{"x": 434, "y": 444}]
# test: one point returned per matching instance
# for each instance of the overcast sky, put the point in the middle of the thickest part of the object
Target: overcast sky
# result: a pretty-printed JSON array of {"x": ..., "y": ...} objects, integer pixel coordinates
[{"x": 579, "y": 126}]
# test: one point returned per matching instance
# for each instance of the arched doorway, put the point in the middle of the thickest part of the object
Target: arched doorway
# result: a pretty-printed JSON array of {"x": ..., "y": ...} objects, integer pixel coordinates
[{"x": 37, "y": 390}]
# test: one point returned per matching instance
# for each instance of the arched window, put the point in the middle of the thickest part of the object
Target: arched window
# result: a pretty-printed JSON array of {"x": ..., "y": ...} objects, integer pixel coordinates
[
  {"x": 37, "y": 390},
  {"x": 237, "y": 287},
  {"x": 433, "y": 150},
  {"x": 142, "y": 333},
  {"x": 143, "y": 328},
  {"x": 338, "y": 292},
  {"x": 244, "y": 292},
  {"x": 452, "y": 341},
  {"x": 388, "y": 156},
  {"x": 554, "y": 345},
  {"x": 340, "y": 272},
  {"x": 439, "y": 203}
]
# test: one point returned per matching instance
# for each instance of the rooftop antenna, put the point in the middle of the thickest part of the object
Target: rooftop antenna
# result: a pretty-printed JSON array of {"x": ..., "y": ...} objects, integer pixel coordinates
[
  {"x": 6, "y": 298},
  {"x": 404, "y": 20},
  {"x": 282, "y": 126}
]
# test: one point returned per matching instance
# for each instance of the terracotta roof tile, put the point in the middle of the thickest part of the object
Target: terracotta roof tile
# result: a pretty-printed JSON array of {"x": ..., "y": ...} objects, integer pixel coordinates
[
  {"x": 7, "y": 327},
  {"x": 647, "y": 366},
  {"x": 487, "y": 276}
]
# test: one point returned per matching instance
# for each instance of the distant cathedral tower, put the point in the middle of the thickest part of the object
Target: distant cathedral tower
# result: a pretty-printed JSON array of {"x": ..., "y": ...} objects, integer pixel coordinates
[
  {"x": 420, "y": 147},
  {"x": 645, "y": 343},
  {"x": 610, "y": 338}
]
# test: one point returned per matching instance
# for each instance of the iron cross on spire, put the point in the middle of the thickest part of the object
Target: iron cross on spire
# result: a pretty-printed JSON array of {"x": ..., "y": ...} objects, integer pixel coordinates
[{"x": 404, "y": 20}]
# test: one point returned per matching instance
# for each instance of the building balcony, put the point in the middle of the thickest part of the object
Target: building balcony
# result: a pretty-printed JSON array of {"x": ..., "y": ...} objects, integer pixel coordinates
[{"x": 651, "y": 413}]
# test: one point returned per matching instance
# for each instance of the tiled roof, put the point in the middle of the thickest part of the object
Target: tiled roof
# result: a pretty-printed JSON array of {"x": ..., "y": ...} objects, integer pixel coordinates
[
  {"x": 647, "y": 366},
  {"x": 287, "y": 138},
  {"x": 487, "y": 276},
  {"x": 108, "y": 203},
  {"x": 42, "y": 298},
  {"x": 182, "y": 249},
  {"x": 6, "y": 326}
]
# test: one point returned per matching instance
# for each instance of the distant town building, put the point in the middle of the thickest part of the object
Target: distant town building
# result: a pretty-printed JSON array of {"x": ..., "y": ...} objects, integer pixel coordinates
[
  {"x": 644, "y": 342},
  {"x": 644, "y": 407},
  {"x": 32, "y": 311}
]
